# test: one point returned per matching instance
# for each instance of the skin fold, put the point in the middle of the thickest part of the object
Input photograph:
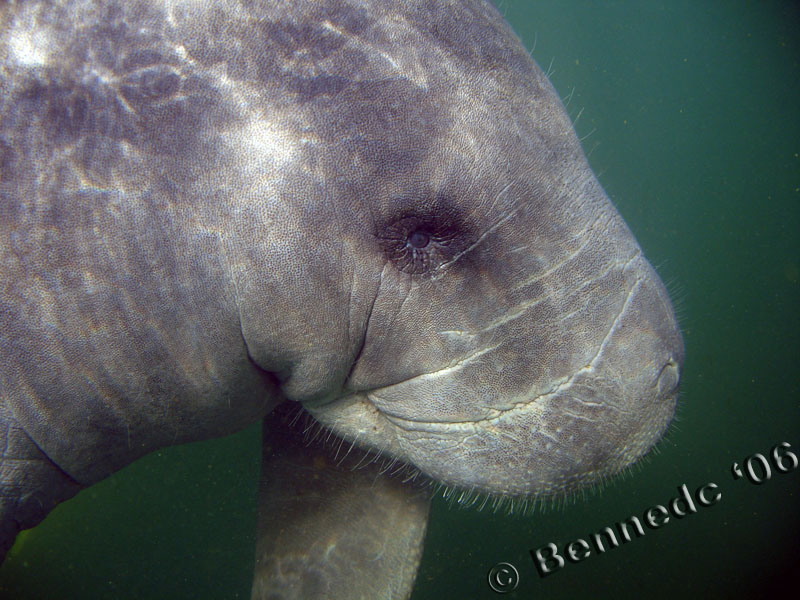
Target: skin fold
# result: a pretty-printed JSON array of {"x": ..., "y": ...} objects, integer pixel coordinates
[{"x": 376, "y": 211}]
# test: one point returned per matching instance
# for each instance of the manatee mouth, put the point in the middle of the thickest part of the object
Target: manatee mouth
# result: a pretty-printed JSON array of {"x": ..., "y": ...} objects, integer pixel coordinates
[{"x": 548, "y": 446}]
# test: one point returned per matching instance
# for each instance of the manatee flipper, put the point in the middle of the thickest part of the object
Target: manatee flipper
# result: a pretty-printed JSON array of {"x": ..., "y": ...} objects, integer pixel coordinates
[
  {"x": 30, "y": 483},
  {"x": 331, "y": 528}
]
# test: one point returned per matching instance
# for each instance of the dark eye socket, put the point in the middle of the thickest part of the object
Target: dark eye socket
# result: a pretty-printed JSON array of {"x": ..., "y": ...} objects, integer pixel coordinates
[{"x": 420, "y": 244}]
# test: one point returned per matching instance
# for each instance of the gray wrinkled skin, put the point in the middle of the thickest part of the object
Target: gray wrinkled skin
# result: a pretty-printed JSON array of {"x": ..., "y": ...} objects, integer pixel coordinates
[{"x": 378, "y": 210}]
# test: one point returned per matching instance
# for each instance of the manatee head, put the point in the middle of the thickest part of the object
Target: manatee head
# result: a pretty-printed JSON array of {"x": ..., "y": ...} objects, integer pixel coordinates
[
  {"x": 430, "y": 265},
  {"x": 397, "y": 208}
]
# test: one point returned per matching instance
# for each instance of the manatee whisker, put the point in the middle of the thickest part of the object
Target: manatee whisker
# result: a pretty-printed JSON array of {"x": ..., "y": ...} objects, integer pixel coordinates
[{"x": 568, "y": 99}]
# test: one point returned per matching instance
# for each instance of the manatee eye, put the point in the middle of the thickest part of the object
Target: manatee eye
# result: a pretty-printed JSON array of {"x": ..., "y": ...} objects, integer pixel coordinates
[
  {"x": 420, "y": 244},
  {"x": 418, "y": 239}
]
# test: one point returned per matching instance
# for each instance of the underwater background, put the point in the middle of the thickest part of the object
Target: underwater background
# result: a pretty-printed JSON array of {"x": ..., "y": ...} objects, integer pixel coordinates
[{"x": 690, "y": 114}]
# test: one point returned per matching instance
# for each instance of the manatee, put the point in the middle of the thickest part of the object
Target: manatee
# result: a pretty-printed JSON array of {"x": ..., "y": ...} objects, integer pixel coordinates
[{"x": 376, "y": 213}]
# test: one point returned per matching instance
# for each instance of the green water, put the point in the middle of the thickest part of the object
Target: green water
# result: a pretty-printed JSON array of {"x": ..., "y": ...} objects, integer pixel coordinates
[{"x": 692, "y": 112}]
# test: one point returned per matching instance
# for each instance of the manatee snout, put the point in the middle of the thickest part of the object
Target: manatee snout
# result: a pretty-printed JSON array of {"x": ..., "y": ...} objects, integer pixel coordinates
[
  {"x": 586, "y": 426},
  {"x": 622, "y": 403}
]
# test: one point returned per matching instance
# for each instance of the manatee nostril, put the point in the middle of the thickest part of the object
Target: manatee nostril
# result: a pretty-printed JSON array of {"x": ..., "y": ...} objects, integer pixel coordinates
[
  {"x": 668, "y": 379},
  {"x": 418, "y": 239}
]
